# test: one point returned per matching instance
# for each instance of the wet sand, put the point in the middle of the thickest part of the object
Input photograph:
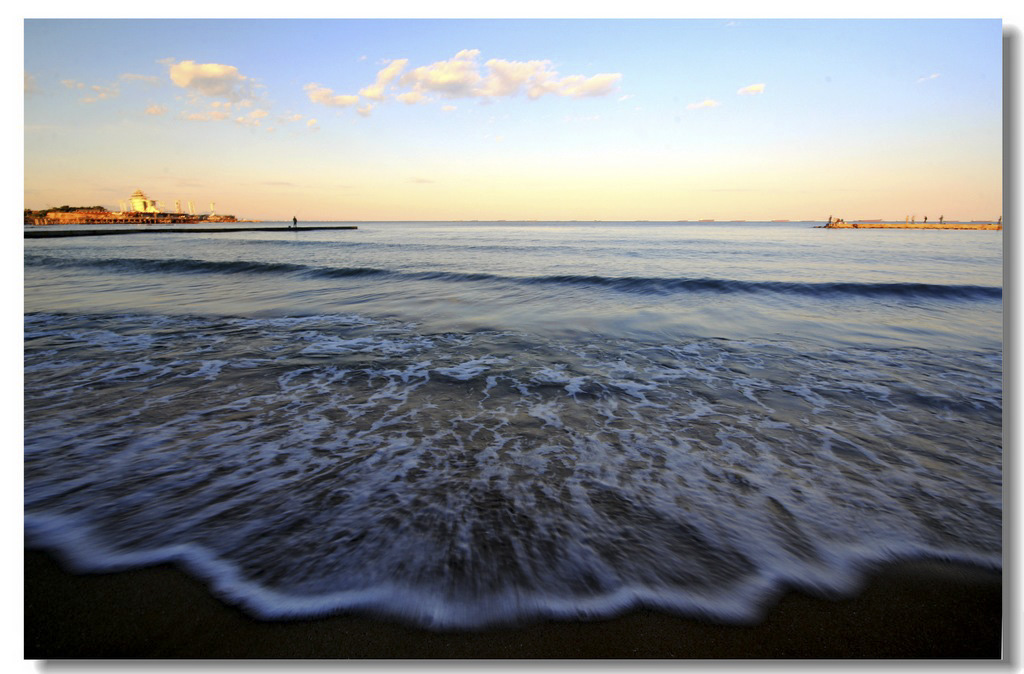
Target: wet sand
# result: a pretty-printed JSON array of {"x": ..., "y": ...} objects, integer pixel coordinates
[{"x": 913, "y": 610}]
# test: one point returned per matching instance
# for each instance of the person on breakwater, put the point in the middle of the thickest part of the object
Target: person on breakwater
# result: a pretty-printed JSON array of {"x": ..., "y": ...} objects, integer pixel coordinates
[{"x": 295, "y": 222}]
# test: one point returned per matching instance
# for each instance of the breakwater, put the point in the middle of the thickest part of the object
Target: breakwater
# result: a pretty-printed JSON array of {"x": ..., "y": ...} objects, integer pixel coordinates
[
  {"x": 905, "y": 225},
  {"x": 53, "y": 233}
]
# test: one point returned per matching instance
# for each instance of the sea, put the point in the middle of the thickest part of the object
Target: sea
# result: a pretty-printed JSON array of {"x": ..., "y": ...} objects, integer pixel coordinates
[{"x": 466, "y": 424}]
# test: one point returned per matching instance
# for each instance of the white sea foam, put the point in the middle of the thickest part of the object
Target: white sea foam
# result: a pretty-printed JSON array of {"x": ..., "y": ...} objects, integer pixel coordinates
[
  {"x": 470, "y": 368},
  {"x": 464, "y": 479},
  {"x": 210, "y": 369}
]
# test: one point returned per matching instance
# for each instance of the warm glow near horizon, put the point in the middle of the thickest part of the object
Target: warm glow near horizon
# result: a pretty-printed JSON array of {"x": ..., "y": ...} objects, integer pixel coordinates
[{"x": 519, "y": 120}]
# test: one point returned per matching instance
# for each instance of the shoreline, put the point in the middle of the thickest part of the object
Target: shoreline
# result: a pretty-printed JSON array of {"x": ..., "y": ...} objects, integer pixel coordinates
[{"x": 907, "y": 610}]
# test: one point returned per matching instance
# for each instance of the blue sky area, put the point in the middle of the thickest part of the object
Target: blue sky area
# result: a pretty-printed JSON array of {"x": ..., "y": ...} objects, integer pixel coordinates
[{"x": 519, "y": 119}]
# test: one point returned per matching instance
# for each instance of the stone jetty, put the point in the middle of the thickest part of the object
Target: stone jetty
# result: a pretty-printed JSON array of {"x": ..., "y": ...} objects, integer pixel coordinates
[
  {"x": 841, "y": 224},
  {"x": 56, "y": 233}
]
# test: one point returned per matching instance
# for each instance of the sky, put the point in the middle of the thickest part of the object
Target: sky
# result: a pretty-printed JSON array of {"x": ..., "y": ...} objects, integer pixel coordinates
[{"x": 518, "y": 119}]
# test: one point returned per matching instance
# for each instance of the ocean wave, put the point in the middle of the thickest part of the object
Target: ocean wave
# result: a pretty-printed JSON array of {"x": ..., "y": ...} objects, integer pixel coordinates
[
  {"x": 713, "y": 285},
  {"x": 642, "y": 285},
  {"x": 168, "y": 265},
  {"x": 308, "y": 465},
  {"x": 78, "y": 547}
]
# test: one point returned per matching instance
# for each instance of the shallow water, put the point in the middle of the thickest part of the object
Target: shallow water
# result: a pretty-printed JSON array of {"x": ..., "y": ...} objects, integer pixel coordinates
[{"x": 463, "y": 424}]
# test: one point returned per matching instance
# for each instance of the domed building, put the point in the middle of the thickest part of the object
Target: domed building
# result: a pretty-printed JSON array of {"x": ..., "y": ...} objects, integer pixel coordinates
[
  {"x": 140, "y": 203},
  {"x": 141, "y": 210}
]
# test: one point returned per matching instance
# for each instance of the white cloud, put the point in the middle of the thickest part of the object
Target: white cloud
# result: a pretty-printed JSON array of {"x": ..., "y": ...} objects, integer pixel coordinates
[
  {"x": 253, "y": 118},
  {"x": 216, "y": 92},
  {"x": 101, "y": 93},
  {"x": 132, "y": 77},
  {"x": 311, "y": 124},
  {"x": 325, "y": 96},
  {"x": 454, "y": 78},
  {"x": 506, "y": 78},
  {"x": 751, "y": 89},
  {"x": 412, "y": 97},
  {"x": 156, "y": 110},
  {"x": 217, "y": 110},
  {"x": 579, "y": 86},
  {"x": 210, "y": 79},
  {"x": 707, "y": 103},
  {"x": 375, "y": 91},
  {"x": 449, "y": 108},
  {"x": 927, "y": 77},
  {"x": 462, "y": 77},
  {"x": 30, "y": 84}
]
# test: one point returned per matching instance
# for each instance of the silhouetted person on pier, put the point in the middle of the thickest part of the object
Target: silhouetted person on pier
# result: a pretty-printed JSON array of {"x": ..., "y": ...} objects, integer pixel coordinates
[
  {"x": 295, "y": 222},
  {"x": 926, "y": 219},
  {"x": 940, "y": 219}
]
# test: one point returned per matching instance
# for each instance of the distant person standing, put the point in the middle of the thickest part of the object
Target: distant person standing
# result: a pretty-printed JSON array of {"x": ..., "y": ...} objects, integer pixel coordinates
[{"x": 295, "y": 222}]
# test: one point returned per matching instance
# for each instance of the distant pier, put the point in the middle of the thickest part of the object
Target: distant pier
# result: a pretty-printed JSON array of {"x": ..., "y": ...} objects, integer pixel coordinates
[
  {"x": 54, "y": 233},
  {"x": 878, "y": 224}
]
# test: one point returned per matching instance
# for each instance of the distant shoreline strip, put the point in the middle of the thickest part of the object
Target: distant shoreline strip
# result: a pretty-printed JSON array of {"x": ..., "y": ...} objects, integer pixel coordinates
[
  {"x": 902, "y": 225},
  {"x": 48, "y": 234}
]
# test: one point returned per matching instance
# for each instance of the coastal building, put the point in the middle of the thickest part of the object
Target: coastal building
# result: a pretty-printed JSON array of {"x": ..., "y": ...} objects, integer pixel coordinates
[
  {"x": 140, "y": 203},
  {"x": 141, "y": 211}
]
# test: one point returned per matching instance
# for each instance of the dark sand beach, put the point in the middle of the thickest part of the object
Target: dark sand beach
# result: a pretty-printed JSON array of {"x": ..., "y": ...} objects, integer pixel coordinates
[{"x": 908, "y": 611}]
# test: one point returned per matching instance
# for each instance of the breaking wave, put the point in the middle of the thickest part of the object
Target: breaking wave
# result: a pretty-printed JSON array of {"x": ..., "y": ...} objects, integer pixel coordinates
[
  {"x": 626, "y": 284},
  {"x": 305, "y": 465}
]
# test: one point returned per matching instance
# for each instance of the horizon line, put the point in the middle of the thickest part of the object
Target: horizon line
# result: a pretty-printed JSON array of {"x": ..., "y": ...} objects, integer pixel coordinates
[{"x": 704, "y": 220}]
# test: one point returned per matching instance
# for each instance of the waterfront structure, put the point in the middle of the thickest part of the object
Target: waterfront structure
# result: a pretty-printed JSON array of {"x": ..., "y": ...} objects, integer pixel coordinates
[
  {"x": 141, "y": 211},
  {"x": 140, "y": 203},
  {"x": 839, "y": 223}
]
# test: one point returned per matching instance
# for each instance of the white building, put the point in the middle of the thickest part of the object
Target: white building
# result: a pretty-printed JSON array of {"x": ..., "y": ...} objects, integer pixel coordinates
[{"x": 140, "y": 203}]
